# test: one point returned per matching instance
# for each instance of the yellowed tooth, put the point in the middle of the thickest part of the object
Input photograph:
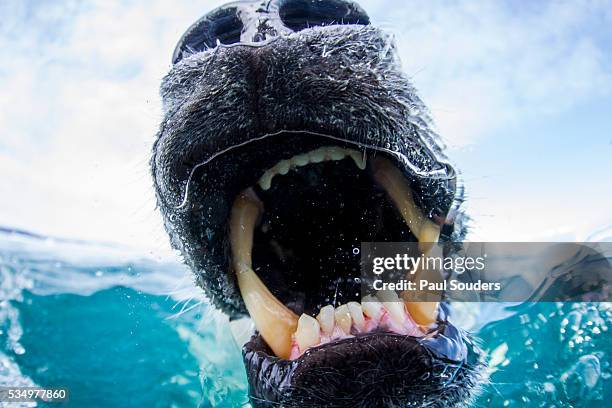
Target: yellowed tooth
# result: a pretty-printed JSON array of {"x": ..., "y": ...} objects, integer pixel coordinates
[
  {"x": 275, "y": 322},
  {"x": 308, "y": 332},
  {"x": 357, "y": 315},
  {"x": 371, "y": 307},
  {"x": 326, "y": 319},
  {"x": 425, "y": 313},
  {"x": 394, "y": 183},
  {"x": 426, "y": 231},
  {"x": 343, "y": 318}
]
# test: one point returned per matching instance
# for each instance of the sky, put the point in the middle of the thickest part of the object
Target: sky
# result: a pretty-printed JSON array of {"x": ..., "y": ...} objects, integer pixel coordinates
[{"x": 521, "y": 92}]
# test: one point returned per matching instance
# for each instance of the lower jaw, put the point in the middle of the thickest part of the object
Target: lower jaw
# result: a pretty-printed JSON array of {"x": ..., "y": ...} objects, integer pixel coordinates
[{"x": 375, "y": 369}]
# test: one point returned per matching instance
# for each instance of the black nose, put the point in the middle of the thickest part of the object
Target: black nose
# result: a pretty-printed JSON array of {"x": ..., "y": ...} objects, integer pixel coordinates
[
  {"x": 248, "y": 22},
  {"x": 300, "y": 14},
  {"x": 222, "y": 25}
]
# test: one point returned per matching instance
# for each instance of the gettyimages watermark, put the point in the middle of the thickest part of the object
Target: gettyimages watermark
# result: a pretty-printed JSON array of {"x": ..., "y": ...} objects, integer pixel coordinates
[{"x": 488, "y": 272}]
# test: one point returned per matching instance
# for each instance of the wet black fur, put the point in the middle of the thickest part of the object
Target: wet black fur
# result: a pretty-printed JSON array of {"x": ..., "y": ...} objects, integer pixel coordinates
[{"x": 343, "y": 81}]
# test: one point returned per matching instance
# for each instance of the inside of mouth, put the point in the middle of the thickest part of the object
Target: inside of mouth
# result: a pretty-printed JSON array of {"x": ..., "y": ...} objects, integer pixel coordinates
[
  {"x": 295, "y": 237},
  {"x": 306, "y": 247}
]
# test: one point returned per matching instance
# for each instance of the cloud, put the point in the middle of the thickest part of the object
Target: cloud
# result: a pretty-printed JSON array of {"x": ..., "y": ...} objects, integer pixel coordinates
[
  {"x": 79, "y": 106},
  {"x": 483, "y": 65},
  {"x": 79, "y": 110}
]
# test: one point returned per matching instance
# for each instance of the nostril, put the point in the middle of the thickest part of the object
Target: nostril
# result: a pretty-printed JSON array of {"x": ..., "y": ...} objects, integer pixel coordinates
[
  {"x": 219, "y": 26},
  {"x": 300, "y": 14},
  {"x": 226, "y": 28}
]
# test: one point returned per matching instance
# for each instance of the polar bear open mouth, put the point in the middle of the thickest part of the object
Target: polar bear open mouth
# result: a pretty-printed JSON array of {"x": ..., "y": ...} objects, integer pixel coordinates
[
  {"x": 298, "y": 230},
  {"x": 292, "y": 231}
]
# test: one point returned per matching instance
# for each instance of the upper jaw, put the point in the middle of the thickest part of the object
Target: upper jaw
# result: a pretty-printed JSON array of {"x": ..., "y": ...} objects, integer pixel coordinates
[
  {"x": 197, "y": 221},
  {"x": 219, "y": 100},
  {"x": 229, "y": 115}
]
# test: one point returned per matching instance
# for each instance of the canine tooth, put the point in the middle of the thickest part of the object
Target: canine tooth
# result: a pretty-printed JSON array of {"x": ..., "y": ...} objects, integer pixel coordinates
[
  {"x": 343, "y": 318},
  {"x": 275, "y": 322},
  {"x": 357, "y": 315},
  {"x": 308, "y": 332},
  {"x": 394, "y": 183},
  {"x": 394, "y": 305},
  {"x": 282, "y": 167},
  {"x": 371, "y": 307},
  {"x": 326, "y": 319},
  {"x": 423, "y": 313},
  {"x": 359, "y": 159},
  {"x": 427, "y": 232}
]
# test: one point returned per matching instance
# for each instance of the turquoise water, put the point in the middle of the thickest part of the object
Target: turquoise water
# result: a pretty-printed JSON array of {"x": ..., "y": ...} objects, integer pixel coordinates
[{"x": 119, "y": 329}]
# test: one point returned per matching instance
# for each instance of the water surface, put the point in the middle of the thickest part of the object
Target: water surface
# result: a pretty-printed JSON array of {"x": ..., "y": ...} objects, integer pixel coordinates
[{"x": 123, "y": 329}]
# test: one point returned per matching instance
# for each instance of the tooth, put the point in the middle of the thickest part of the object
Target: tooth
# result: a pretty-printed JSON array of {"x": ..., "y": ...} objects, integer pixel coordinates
[
  {"x": 358, "y": 158},
  {"x": 308, "y": 332},
  {"x": 371, "y": 307},
  {"x": 300, "y": 160},
  {"x": 430, "y": 233},
  {"x": 266, "y": 180},
  {"x": 317, "y": 156},
  {"x": 357, "y": 315},
  {"x": 314, "y": 156},
  {"x": 326, "y": 319},
  {"x": 394, "y": 305},
  {"x": 275, "y": 322},
  {"x": 282, "y": 167},
  {"x": 423, "y": 313},
  {"x": 396, "y": 311},
  {"x": 336, "y": 153},
  {"x": 386, "y": 296},
  {"x": 394, "y": 183},
  {"x": 426, "y": 313},
  {"x": 343, "y": 318},
  {"x": 427, "y": 232}
]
